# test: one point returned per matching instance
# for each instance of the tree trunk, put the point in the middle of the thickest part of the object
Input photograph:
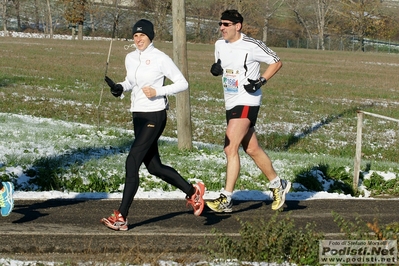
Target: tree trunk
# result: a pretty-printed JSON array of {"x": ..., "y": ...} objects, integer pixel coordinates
[
  {"x": 18, "y": 14},
  {"x": 50, "y": 20},
  {"x": 73, "y": 33},
  {"x": 80, "y": 31},
  {"x": 183, "y": 113},
  {"x": 323, "y": 8},
  {"x": 264, "y": 35},
  {"x": 37, "y": 16},
  {"x": 5, "y": 17},
  {"x": 93, "y": 29}
]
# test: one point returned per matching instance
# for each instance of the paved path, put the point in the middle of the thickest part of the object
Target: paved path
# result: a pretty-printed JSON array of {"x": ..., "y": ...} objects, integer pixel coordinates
[{"x": 70, "y": 229}]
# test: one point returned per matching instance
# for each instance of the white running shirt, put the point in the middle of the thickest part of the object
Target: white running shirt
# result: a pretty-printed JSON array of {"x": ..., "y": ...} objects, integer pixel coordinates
[
  {"x": 149, "y": 68},
  {"x": 240, "y": 61}
]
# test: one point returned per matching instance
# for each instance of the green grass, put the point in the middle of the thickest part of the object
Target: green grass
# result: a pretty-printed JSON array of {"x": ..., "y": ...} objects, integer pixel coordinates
[
  {"x": 308, "y": 116},
  {"x": 63, "y": 79}
]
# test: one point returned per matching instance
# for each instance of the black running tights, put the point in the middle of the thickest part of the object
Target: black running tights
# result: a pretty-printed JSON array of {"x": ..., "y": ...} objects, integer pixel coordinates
[{"x": 148, "y": 127}]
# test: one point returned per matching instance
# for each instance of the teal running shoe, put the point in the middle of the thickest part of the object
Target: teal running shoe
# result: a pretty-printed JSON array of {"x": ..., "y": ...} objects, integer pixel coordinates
[{"x": 6, "y": 199}]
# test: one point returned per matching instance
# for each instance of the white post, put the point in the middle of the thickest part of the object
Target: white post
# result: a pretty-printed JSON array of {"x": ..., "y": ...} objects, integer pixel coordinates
[{"x": 356, "y": 168}]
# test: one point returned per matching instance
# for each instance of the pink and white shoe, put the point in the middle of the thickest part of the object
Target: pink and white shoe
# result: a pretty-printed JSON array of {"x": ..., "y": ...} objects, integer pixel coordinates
[
  {"x": 116, "y": 222},
  {"x": 196, "y": 200}
]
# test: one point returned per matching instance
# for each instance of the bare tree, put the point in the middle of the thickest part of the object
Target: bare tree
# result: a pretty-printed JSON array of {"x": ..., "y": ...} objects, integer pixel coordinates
[
  {"x": 94, "y": 11},
  {"x": 364, "y": 18},
  {"x": 4, "y": 15},
  {"x": 74, "y": 14},
  {"x": 198, "y": 12},
  {"x": 307, "y": 18},
  {"x": 50, "y": 20},
  {"x": 314, "y": 16},
  {"x": 323, "y": 9},
  {"x": 160, "y": 11},
  {"x": 271, "y": 7},
  {"x": 17, "y": 14},
  {"x": 258, "y": 13},
  {"x": 300, "y": 15},
  {"x": 37, "y": 15}
]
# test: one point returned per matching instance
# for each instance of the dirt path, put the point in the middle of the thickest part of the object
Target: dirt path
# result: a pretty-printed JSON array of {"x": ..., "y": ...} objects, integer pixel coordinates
[{"x": 70, "y": 231}]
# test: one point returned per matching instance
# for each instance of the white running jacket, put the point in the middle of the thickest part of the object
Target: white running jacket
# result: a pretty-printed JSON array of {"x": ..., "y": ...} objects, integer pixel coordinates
[{"x": 149, "y": 68}]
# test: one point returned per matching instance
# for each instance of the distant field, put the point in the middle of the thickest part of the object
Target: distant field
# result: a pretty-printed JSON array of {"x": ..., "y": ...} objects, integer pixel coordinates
[{"x": 308, "y": 107}]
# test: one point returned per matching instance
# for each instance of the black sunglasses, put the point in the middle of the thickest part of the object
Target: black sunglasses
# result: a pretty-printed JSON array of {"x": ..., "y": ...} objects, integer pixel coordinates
[{"x": 226, "y": 24}]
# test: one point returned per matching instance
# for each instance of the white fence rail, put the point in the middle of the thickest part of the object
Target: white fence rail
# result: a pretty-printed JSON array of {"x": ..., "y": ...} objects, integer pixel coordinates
[{"x": 356, "y": 168}]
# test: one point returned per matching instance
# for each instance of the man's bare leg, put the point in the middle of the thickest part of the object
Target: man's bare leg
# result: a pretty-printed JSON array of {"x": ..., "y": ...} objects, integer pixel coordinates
[
  {"x": 261, "y": 159},
  {"x": 279, "y": 187},
  {"x": 236, "y": 130}
]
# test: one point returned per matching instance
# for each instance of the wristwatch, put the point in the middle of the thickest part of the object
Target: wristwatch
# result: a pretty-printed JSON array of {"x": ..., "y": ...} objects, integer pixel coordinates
[{"x": 263, "y": 80}]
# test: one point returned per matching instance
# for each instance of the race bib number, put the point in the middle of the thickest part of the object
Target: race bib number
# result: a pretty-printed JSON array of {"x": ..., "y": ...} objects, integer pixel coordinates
[{"x": 230, "y": 82}]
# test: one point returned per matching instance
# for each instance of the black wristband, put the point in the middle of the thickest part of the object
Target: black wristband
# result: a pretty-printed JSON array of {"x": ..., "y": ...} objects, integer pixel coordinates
[{"x": 263, "y": 80}]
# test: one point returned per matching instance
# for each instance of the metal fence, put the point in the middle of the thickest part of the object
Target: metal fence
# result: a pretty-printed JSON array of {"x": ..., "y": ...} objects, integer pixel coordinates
[{"x": 351, "y": 43}]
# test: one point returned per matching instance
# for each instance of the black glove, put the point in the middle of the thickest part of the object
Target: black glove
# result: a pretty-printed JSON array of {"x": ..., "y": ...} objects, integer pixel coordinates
[
  {"x": 217, "y": 69},
  {"x": 116, "y": 89},
  {"x": 254, "y": 85}
]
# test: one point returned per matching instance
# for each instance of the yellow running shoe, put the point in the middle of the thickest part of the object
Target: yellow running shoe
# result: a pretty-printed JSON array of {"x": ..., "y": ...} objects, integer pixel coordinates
[
  {"x": 220, "y": 204},
  {"x": 279, "y": 194}
]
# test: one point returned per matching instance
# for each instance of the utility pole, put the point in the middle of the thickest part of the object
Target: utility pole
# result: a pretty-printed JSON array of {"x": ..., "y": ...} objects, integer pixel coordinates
[{"x": 183, "y": 110}]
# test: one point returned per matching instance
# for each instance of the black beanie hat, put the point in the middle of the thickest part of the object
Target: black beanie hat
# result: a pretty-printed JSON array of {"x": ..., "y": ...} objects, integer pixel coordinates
[
  {"x": 144, "y": 26},
  {"x": 232, "y": 15}
]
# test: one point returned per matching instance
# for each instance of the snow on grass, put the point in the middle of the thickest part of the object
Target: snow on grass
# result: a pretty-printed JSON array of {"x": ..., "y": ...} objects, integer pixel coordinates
[{"x": 26, "y": 139}]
